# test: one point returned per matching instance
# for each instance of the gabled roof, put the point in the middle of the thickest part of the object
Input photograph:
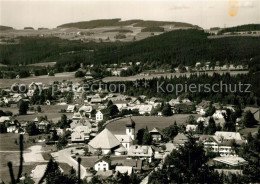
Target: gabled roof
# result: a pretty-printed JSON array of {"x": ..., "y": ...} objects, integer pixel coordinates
[
  {"x": 103, "y": 159},
  {"x": 228, "y": 135},
  {"x": 124, "y": 138},
  {"x": 124, "y": 169},
  {"x": 104, "y": 140},
  {"x": 180, "y": 139},
  {"x": 86, "y": 108},
  {"x": 5, "y": 118},
  {"x": 156, "y": 130}
]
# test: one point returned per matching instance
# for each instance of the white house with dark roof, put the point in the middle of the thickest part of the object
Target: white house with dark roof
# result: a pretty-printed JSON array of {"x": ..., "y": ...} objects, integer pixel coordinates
[
  {"x": 102, "y": 164},
  {"x": 99, "y": 116}
]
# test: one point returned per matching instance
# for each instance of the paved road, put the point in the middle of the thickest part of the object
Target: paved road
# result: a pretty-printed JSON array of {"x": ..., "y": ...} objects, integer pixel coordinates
[{"x": 65, "y": 157}]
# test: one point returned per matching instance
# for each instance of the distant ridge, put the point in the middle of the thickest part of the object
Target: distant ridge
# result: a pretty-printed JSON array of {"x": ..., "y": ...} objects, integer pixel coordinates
[
  {"x": 117, "y": 22},
  {"x": 242, "y": 28},
  {"x": 4, "y": 28}
]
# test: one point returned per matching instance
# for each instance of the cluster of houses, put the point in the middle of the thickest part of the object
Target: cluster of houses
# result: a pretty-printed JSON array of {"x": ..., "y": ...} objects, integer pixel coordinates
[{"x": 86, "y": 112}]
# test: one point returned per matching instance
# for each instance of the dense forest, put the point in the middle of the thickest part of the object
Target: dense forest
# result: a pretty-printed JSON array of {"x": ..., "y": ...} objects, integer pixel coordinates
[
  {"x": 247, "y": 27},
  {"x": 183, "y": 47},
  {"x": 173, "y": 48},
  {"x": 117, "y": 22},
  {"x": 153, "y": 29},
  {"x": 157, "y": 87}
]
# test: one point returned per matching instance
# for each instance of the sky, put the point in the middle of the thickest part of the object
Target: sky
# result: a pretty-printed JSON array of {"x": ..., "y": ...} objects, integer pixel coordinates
[{"x": 204, "y": 13}]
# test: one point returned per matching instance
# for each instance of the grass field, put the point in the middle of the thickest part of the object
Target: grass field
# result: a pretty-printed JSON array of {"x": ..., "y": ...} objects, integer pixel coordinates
[
  {"x": 43, "y": 64},
  {"x": 51, "y": 111},
  {"x": 45, "y": 79},
  {"x": 118, "y": 127},
  {"x": 137, "y": 77}
]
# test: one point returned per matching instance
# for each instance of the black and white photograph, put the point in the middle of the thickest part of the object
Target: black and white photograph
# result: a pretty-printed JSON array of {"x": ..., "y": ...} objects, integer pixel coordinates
[{"x": 129, "y": 91}]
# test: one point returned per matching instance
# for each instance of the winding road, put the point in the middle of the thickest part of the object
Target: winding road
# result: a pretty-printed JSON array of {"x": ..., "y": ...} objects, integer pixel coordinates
[{"x": 64, "y": 156}]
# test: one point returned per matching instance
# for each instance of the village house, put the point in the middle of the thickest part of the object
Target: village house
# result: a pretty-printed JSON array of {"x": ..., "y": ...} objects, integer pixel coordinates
[
  {"x": 86, "y": 110},
  {"x": 13, "y": 126},
  {"x": 43, "y": 125},
  {"x": 179, "y": 140},
  {"x": 191, "y": 128},
  {"x": 76, "y": 116},
  {"x": 186, "y": 107},
  {"x": 71, "y": 108},
  {"x": 80, "y": 134},
  {"x": 99, "y": 116},
  {"x": 221, "y": 142},
  {"x": 219, "y": 114},
  {"x": 136, "y": 164},
  {"x": 140, "y": 151},
  {"x": 156, "y": 134},
  {"x": 124, "y": 169},
  {"x": 145, "y": 109},
  {"x": 120, "y": 104},
  {"x": 205, "y": 120},
  {"x": 96, "y": 99},
  {"x": 230, "y": 161},
  {"x": 202, "y": 107}
]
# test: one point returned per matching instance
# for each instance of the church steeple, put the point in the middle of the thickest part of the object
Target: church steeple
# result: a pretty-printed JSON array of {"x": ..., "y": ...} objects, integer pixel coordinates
[{"x": 130, "y": 128}]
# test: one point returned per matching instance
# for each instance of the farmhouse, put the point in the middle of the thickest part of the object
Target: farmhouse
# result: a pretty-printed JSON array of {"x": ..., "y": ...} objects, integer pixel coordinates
[
  {"x": 102, "y": 164},
  {"x": 179, "y": 140},
  {"x": 156, "y": 134}
]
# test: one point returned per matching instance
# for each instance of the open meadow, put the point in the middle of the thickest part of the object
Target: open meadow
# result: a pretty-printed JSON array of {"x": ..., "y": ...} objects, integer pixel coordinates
[
  {"x": 51, "y": 111},
  {"x": 118, "y": 127},
  {"x": 138, "y": 77},
  {"x": 45, "y": 79}
]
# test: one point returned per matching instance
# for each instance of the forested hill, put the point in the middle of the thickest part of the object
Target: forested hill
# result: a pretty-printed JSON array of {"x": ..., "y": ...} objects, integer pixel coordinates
[
  {"x": 183, "y": 47},
  {"x": 4, "y": 28},
  {"x": 242, "y": 28},
  {"x": 172, "y": 48},
  {"x": 117, "y": 22}
]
